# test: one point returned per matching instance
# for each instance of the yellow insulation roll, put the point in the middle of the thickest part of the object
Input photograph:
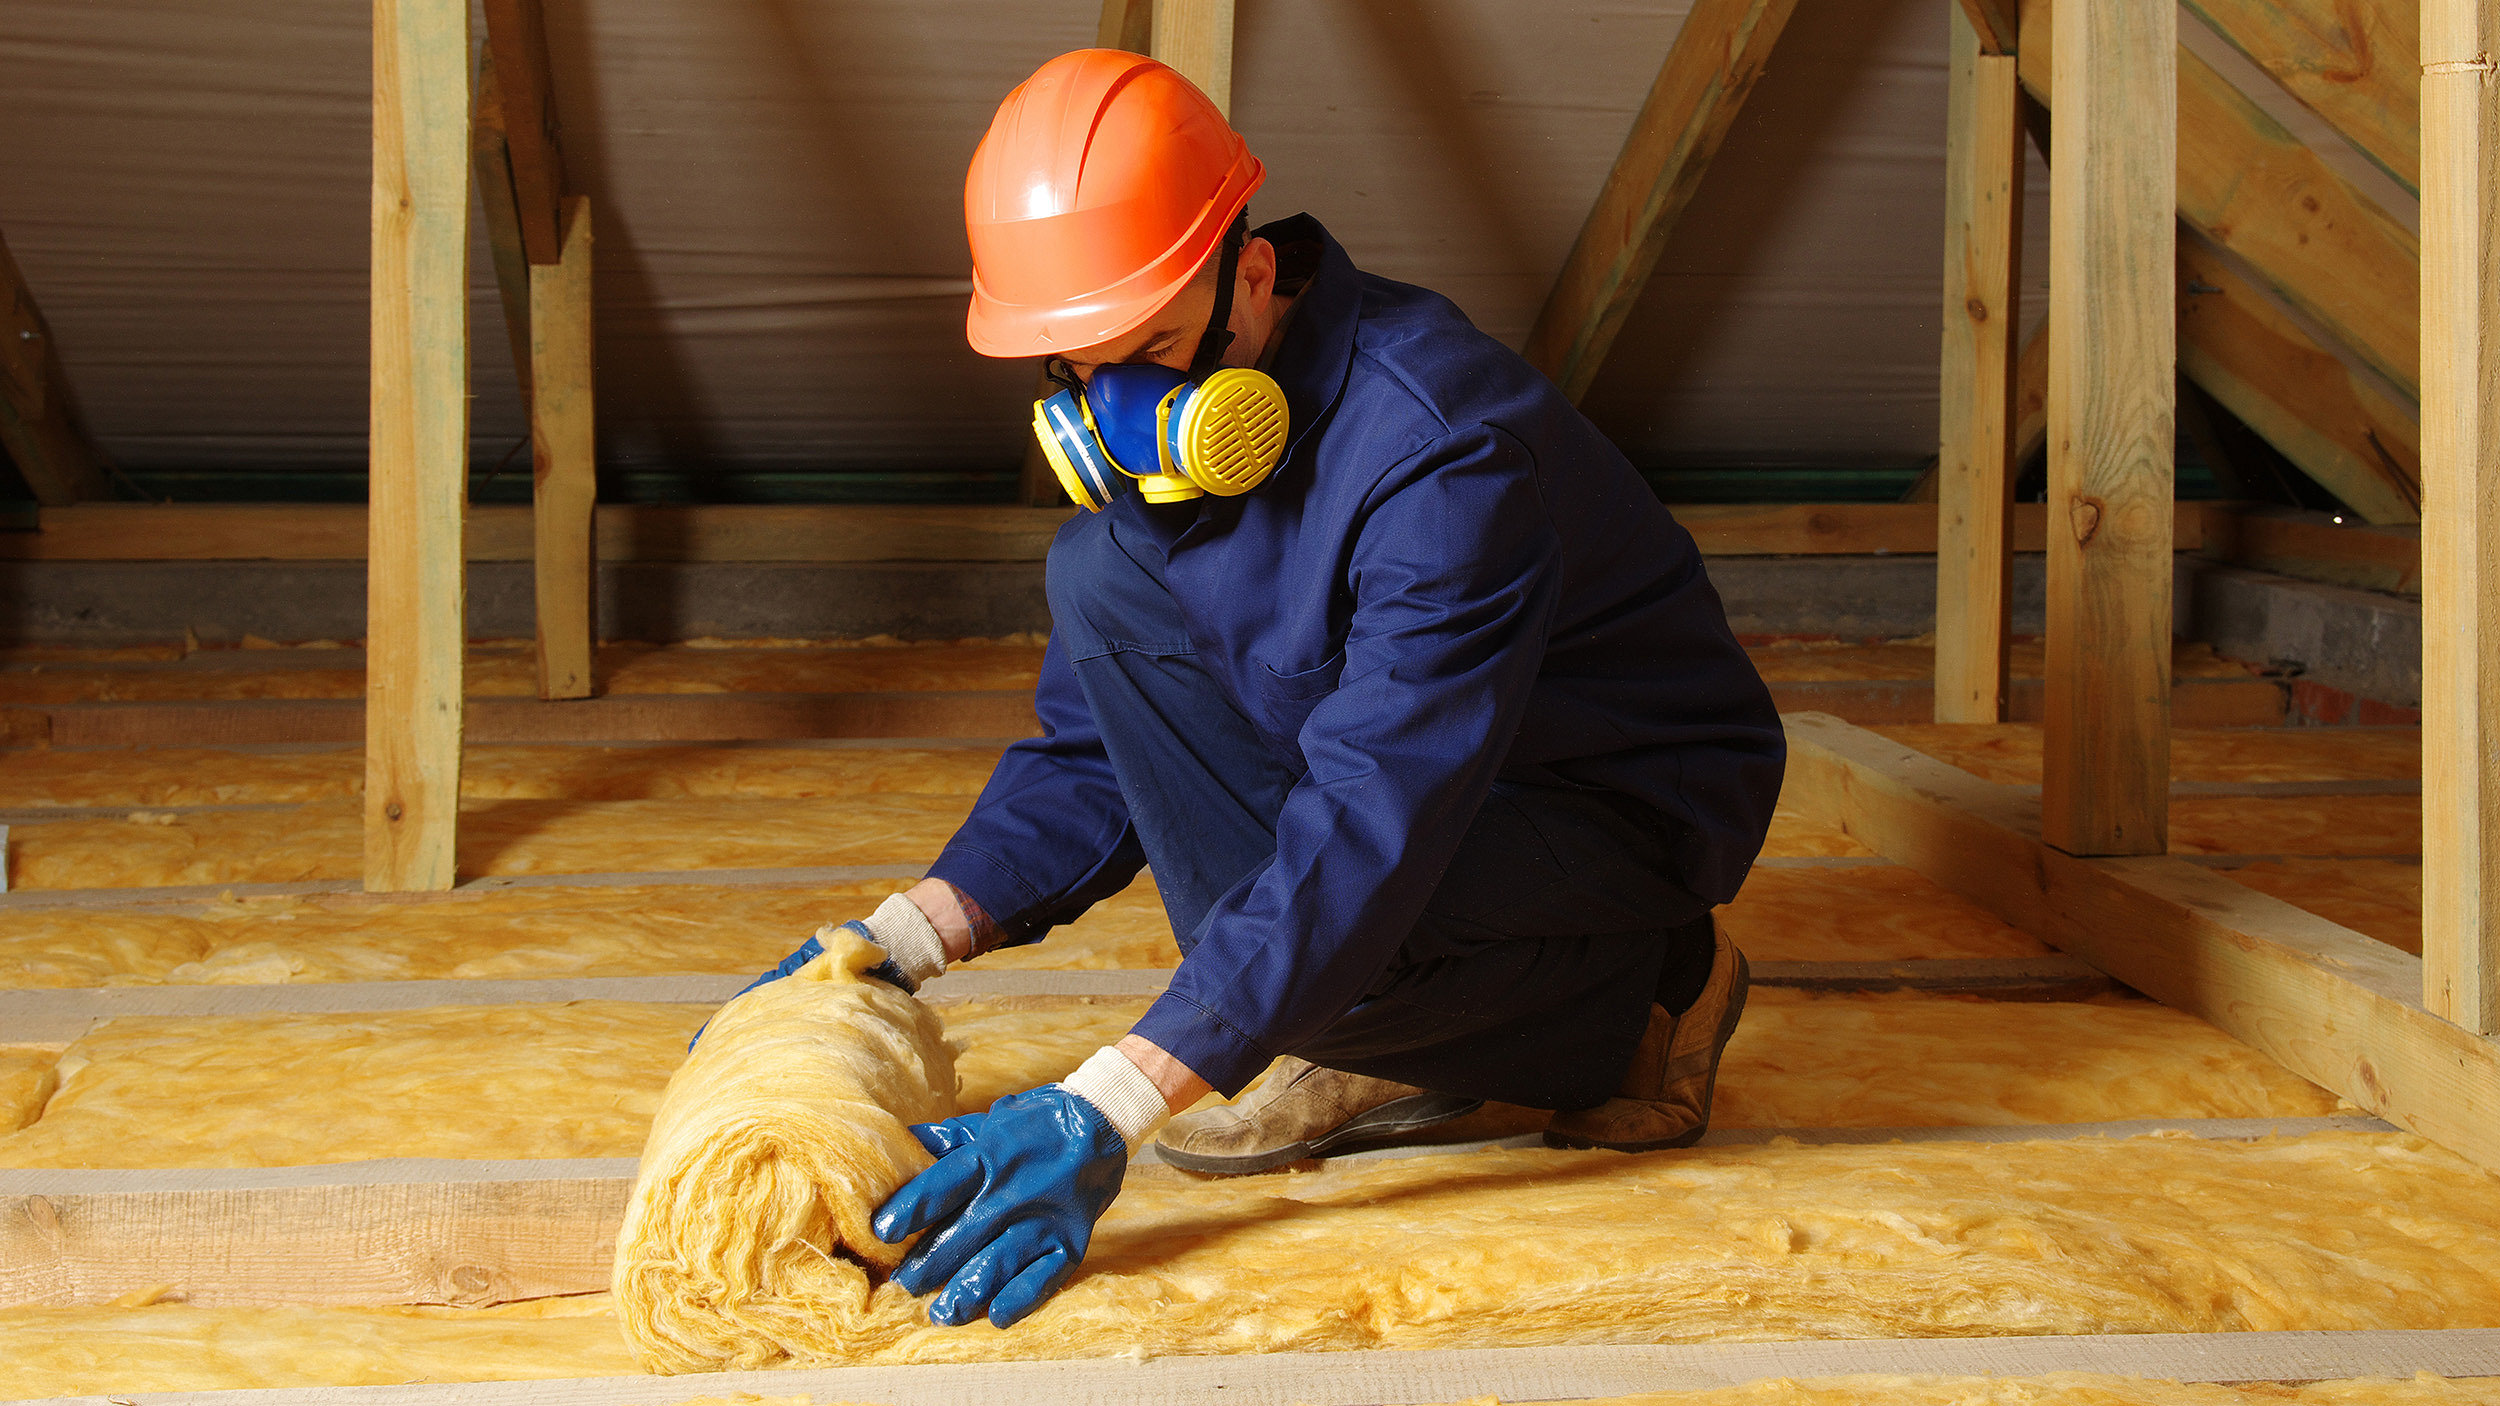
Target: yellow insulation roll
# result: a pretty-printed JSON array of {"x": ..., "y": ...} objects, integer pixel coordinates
[{"x": 746, "y": 1240}]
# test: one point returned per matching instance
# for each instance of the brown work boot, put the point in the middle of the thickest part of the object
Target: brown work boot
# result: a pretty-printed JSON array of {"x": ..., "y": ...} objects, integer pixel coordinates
[
  {"x": 1302, "y": 1111},
  {"x": 1664, "y": 1100}
]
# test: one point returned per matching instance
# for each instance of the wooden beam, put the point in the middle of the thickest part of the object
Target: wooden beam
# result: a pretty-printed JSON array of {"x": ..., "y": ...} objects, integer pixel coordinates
[
  {"x": 2254, "y": 189},
  {"x": 2357, "y": 65},
  {"x": 1975, "y": 464},
  {"x": 37, "y": 428},
  {"x": 2356, "y": 440},
  {"x": 1717, "y": 57},
  {"x": 1126, "y": 24},
  {"x": 650, "y": 717},
  {"x": 2334, "y": 1006},
  {"x": 1993, "y": 25},
  {"x": 516, "y": 34},
  {"x": 564, "y": 466},
  {"x": 420, "y": 441},
  {"x": 1196, "y": 37},
  {"x": 2461, "y": 521},
  {"x": 2314, "y": 547},
  {"x": 2112, "y": 338},
  {"x": 860, "y": 532},
  {"x": 492, "y": 156}
]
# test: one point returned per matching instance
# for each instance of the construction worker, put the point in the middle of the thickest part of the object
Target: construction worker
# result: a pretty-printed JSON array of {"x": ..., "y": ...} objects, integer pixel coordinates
[{"x": 1417, "y": 702}]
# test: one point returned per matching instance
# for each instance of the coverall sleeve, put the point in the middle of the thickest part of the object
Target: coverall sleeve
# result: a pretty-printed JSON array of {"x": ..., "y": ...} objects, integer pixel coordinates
[
  {"x": 1050, "y": 835},
  {"x": 1455, "y": 575}
]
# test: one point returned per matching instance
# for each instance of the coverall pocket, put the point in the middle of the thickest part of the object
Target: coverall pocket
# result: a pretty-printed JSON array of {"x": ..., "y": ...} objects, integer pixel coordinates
[{"x": 1285, "y": 701}]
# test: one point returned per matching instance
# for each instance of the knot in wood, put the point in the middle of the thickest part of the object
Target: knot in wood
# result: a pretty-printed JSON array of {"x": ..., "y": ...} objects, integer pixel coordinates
[
  {"x": 472, "y": 1283},
  {"x": 394, "y": 810},
  {"x": 1977, "y": 308},
  {"x": 46, "y": 1221},
  {"x": 2086, "y": 518}
]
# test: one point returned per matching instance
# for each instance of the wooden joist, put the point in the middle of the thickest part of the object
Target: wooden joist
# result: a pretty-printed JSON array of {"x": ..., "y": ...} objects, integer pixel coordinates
[
  {"x": 2461, "y": 518},
  {"x": 2254, "y": 189},
  {"x": 37, "y": 429},
  {"x": 830, "y": 532},
  {"x": 2334, "y": 1006},
  {"x": 564, "y": 464},
  {"x": 648, "y": 717},
  {"x": 1716, "y": 59},
  {"x": 475, "y": 1233},
  {"x": 419, "y": 441},
  {"x": 2112, "y": 335},
  {"x": 1574, "y": 1372},
  {"x": 1975, "y": 463},
  {"x": 2356, "y": 440},
  {"x": 2358, "y": 65}
]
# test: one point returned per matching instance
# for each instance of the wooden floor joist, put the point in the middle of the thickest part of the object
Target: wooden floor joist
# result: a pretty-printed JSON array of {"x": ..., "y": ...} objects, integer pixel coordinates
[
  {"x": 474, "y": 1233},
  {"x": 2334, "y": 1006}
]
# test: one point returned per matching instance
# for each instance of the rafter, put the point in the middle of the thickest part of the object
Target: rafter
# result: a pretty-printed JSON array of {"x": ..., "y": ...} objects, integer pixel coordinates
[
  {"x": 37, "y": 428},
  {"x": 1717, "y": 57}
]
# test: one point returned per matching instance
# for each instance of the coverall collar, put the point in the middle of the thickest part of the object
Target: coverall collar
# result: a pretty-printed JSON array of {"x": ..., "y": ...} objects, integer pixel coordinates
[{"x": 1318, "y": 347}]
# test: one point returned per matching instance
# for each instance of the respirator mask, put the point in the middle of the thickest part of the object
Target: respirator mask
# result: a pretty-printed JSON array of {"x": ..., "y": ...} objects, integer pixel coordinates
[{"x": 1211, "y": 429}]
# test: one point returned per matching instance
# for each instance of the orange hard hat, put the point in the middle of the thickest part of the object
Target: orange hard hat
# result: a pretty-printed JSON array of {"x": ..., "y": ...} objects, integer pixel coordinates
[{"x": 1104, "y": 183}]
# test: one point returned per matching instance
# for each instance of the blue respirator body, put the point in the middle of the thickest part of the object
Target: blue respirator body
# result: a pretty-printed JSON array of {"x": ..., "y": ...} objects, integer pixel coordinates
[{"x": 1178, "y": 435}]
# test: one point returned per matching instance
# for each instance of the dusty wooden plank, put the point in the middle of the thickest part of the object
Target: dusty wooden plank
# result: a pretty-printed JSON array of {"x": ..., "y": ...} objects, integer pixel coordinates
[
  {"x": 420, "y": 441},
  {"x": 492, "y": 158},
  {"x": 2356, "y": 63},
  {"x": 2315, "y": 547},
  {"x": 1716, "y": 58},
  {"x": 2112, "y": 333},
  {"x": 564, "y": 463},
  {"x": 864, "y": 532},
  {"x": 1362, "y": 1378},
  {"x": 1975, "y": 463},
  {"x": 651, "y": 717},
  {"x": 37, "y": 428},
  {"x": 175, "y": 898},
  {"x": 2334, "y": 1006},
  {"x": 359, "y": 1233},
  {"x": 1196, "y": 37},
  {"x": 2253, "y": 188},
  {"x": 2461, "y": 521},
  {"x": 2355, "y": 439},
  {"x": 516, "y": 33}
]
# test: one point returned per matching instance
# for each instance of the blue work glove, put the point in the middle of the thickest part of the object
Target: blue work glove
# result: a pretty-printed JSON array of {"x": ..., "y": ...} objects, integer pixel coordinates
[
  {"x": 810, "y": 950},
  {"x": 1009, "y": 1207}
]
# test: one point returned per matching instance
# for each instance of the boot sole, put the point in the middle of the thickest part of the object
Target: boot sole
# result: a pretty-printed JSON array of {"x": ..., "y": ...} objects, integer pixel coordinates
[
  {"x": 1727, "y": 1028},
  {"x": 1396, "y": 1118}
]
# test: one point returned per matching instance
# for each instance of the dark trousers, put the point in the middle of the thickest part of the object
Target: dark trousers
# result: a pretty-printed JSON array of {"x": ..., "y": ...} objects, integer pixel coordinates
[{"x": 1529, "y": 977}]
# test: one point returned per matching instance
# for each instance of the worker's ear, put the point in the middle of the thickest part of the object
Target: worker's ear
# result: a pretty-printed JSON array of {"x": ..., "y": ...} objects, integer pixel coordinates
[{"x": 1255, "y": 274}]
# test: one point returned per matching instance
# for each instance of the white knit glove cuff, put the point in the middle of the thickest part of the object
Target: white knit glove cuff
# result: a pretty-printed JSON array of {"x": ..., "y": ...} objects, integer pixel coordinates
[
  {"x": 908, "y": 937},
  {"x": 1122, "y": 1093}
]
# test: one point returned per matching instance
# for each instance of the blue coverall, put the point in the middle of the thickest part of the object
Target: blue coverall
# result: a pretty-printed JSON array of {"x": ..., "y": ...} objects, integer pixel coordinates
[{"x": 1438, "y": 742}]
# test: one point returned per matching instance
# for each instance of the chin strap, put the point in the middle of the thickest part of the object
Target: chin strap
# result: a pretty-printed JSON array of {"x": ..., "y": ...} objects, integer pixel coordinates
[{"x": 1218, "y": 338}]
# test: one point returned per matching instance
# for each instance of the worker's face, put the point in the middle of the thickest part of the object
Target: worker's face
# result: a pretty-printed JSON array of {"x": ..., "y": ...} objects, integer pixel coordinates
[{"x": 1170, "y": 337}]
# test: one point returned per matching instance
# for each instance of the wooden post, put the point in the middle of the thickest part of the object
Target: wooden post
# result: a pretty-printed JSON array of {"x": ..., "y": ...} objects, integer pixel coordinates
[
  {"x": 1718, "y": 55},
  {"x": 36, "y": 428},
  {"x": 2461, "y": 513},
  {"x": 564, "y": 462},
  {"x": 1975, "y": 457},
  {"x": 420, "y": 442},
  {"x": 2112, "y": 358},
  {"x": 1196, "y": 37},
  {"x": 1125, "y": 24}
]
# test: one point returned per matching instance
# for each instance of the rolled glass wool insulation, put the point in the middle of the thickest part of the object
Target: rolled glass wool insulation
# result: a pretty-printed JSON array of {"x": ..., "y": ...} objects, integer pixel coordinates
[{"x": 746, "y": 1240}]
